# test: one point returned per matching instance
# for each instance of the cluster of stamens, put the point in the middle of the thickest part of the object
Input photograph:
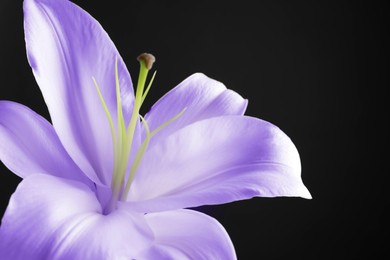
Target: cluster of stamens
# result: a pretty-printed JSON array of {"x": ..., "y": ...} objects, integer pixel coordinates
[{"x": 123, "y": 135}]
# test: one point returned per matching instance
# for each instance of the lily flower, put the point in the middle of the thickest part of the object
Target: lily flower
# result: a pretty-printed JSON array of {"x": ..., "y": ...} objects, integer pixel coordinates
[{"x": 103, "y": 182}]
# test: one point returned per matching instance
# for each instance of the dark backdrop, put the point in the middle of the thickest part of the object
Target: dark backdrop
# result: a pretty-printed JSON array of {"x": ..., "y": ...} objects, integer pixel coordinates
[{"x": 316, "y": 70}]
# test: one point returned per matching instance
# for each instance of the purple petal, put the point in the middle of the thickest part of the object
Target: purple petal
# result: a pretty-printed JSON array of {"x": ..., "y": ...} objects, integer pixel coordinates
[
  {"x": 66, "y": 47},
  {"x": 216, "y": 161},
  {"x": 187, "y": 234},
  {"x": 29, "y": 145},
  {"x": 202, "y": 97},
  {"x": 54, "y": 218}
]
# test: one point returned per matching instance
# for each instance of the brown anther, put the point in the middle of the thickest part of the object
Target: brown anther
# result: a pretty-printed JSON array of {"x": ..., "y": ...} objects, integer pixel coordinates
[{"x": 148, "y": 58}]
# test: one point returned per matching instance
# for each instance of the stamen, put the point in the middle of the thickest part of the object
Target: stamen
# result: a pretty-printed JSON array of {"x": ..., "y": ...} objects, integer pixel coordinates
[
  {"x": 158, "y": 129},
  {"x": 122, "y": 153},
  {"x": 137, "y": 160},
  {"x": 121, "y": 120},
  {"x": 148, "y": 87},
  {"x": 141, "y": 151},
  {"x": 113, "y": 136},
  {"x": 122, "y": 150},
  {"x": 108, "y": 115}
]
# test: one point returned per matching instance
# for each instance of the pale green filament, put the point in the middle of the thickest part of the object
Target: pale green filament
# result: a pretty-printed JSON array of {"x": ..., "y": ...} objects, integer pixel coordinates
[
  {"x": 122, "y": 138},
  {"x": 112, "y": 128},
  {"x": 141, "y": 151},
  {"x": 122, "y": 149},
  {"x": 147, "y": 89},
  {"x": 137, "y": 159}
]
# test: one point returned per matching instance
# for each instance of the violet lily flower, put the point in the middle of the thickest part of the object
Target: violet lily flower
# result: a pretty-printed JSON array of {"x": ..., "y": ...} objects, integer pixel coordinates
[{"x": 102, "y": 182}]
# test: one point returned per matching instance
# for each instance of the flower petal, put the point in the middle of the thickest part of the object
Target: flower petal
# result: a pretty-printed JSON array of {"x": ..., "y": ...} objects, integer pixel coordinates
[
  {"x": 29, "y": 145},
  {"x": 187, "y": 234},
  {"x": 66, "y": 48},
  {"x": 54, "y": 218},
  {"x": 216, "y": 161},
  {"x": 202, "y": 97}
]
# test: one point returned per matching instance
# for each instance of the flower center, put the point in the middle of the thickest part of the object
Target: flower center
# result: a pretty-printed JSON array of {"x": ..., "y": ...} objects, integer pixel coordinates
[{"x": 122, "y": 136}]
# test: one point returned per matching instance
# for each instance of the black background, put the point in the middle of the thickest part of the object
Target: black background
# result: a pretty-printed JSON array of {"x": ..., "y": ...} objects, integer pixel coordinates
[{"x": 317, "y": 70}]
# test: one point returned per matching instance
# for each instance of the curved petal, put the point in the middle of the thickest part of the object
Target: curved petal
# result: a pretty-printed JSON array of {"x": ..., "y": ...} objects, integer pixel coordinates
[
  {"x": 187, "y": 234},
  {"x": 29, "y": 145},
  {"x": 54, "y": 218},
  {"x": 66, "y": 48},
  {"x": 216, "y": 161},
  {"x": 202, "y": 97}
]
